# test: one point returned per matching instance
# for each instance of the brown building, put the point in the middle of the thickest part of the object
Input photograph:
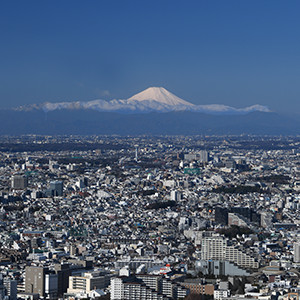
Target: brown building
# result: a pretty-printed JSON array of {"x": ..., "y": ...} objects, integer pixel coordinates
[
  {"x": 196, "y": 286},
  {"x": 34, "y": 280}
]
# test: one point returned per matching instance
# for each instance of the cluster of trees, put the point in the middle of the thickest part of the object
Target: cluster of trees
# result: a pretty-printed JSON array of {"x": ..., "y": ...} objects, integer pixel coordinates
[
  {"x": 161, "y": 204},
  {"x": 281, "y": 179},
  {"x": 147, "y": 192},
  {"x": 233, "y": 231},
  {"x": 14, "y": 207},
  {"x": 239, "y": 189}
]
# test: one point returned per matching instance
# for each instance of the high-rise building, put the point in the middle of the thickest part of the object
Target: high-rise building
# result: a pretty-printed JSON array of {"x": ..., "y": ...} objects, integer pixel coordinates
[
  {"x": 63, "y": 272},
  {"x": 51, "y": 286},
  {"x": 82, "y": 183},
  {"x": 175, "y": 196},
  {"x": 296, "y": 247},
  {"x": 56, "y": 187},
  {"x": 10, "y": 288},
  {"x": 136, "y": 154},
  {"x": 2, "y": 288},
  {"x": 40, "y": 280},
  {"x": 203, "y": 156},
  {"x": 19, "y": 182},
  {"x": 34, "y": 280}
]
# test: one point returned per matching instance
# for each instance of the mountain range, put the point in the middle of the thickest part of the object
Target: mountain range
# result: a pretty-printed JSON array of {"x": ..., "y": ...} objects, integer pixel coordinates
[
  {"x": 153, "y": 99},
  {"x": 154, "y": 111}
]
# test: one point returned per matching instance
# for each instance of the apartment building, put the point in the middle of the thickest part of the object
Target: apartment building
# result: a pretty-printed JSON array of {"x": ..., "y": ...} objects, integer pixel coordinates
[{"x": 218, "y": 248}]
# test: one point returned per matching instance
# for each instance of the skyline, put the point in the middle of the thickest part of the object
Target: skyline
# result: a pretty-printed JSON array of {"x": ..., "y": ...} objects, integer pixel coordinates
[{"x": 236, "y": 54}]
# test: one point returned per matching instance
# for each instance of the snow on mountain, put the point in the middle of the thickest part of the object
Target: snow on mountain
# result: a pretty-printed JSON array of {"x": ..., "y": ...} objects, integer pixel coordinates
[
  {"x": 224, "y": 109},
  {"x": 160, "y": 95},
  {"x": 153, "y": 99}
]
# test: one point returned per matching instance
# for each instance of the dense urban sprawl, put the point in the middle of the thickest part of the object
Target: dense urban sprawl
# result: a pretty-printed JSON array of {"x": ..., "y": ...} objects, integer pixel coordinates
[{"x": 168, "y": 217}]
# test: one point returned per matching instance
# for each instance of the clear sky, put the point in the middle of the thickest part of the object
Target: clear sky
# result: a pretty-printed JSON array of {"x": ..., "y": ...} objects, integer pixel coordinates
[{"x": 229, "y": 52}]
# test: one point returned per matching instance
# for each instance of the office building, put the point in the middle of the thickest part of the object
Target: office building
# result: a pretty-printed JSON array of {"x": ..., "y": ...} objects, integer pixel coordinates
[
  {"x": 19, "y": 182},
  {"x": 175, "y": 196},
  {"x": 35, "y": 280},
  {"x": 10, "y": 288},
  {"x": 88, "y": 282},
  {"x": 51, "y": 286},
  {"x": 63, "y": 272},
  {"x": 203, "y": 156},
  {"x": 296, "y": 247},
  {"x": 56, "y": 187},
  {"x": 2, "y": 288}
]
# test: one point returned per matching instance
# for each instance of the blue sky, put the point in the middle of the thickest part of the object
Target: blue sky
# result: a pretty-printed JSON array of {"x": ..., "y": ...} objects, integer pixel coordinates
[{"x": 237, "y": 53}]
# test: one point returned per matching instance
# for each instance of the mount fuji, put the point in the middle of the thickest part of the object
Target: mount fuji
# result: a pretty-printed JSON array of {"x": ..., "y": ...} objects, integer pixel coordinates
[
  {"x": 153, "y": 99},
  {"x": 160, "y": 95}
]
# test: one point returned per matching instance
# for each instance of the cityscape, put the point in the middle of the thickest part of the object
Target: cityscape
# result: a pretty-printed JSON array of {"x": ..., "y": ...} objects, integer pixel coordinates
[
  {"x": 149, "y": 150},
  {"x": 166, "y": 217}
]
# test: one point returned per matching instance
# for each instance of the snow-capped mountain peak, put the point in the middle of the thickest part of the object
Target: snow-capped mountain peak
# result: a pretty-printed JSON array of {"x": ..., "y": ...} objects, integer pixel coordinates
[{"x": 160, "y": 95}]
